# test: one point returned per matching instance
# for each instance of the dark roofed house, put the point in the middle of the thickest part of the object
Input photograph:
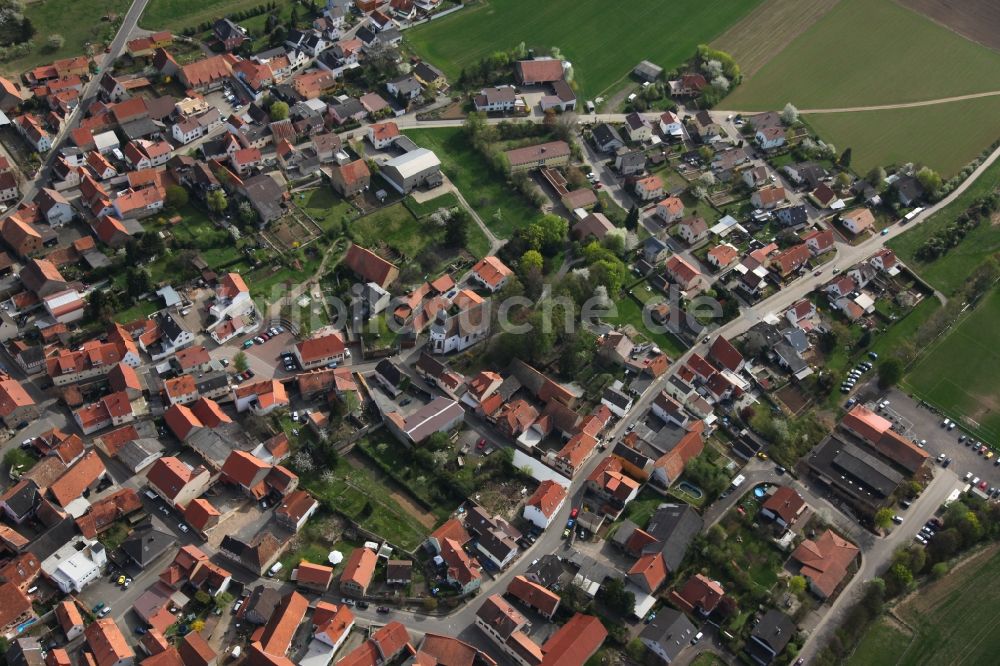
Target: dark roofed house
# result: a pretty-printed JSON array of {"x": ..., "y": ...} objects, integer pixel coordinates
[
  {"x": 669, "y": 633},
  {"x": 770, "y": 637},
  {"x": 266, "y": 197},
  {"x": 146, "y": 546}
]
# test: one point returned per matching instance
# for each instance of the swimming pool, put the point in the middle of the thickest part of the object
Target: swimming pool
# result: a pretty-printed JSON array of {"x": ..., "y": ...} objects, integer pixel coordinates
[{"x": 690, "y": 489}]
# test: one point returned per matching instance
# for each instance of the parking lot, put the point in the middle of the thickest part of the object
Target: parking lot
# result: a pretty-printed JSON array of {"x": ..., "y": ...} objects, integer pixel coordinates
[{"x": 925, "y": 424}]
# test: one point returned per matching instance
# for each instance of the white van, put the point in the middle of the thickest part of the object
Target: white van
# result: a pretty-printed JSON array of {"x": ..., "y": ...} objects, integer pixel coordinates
[
  {"x": 275, "y": 569},
  {"x": 236, "y": 652}
]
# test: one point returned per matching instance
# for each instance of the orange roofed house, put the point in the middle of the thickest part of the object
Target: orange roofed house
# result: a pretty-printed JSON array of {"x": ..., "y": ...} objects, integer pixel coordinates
[
  {"x": 320, "y": 351},
  {"x": 358, "y": 572},
  {"x": 825, "y": 562},
  {"x": 877, "y": 432},
  {"x": 370, "y": 267},
  {"x": 544, "y": 503},
  {"x": 491, "y": 273}
]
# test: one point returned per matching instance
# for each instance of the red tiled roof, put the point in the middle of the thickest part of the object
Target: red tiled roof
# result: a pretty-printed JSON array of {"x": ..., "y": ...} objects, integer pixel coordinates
[
  {"x": 825, "y": 560},
  {"x": 77, "y": 478},
  {"x": 534, "y": 595},
  {"x": 575, "y": 642},
  {"x": 322, "y": 347},
  {"x": 547, "y": 497},
  {"x": 360, "y": 567}
]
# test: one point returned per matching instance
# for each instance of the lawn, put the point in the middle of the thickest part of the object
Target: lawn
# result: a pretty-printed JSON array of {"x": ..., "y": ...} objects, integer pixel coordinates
[
  {"x": 664, "y": 32},
  {"x": 950, "y": 271},
  {"x": 140, "y": 310},
  {"x": 958, "y": 373},
  {"x": 325, "y": 207},
  {"x": 486, "y": 191},
  {"x": 953, "y": 621},
  {"x": 867, "y": 52},
  {"x": 642, "y": 508},
  {"x": 179, "y": 14},
  {"x": 630, "y": 312},
  {"x": 395, "y": 226},
  {"x": 356, "y": 493},
  {"x": 78, "y": 22},
  {"x": 446, "y": 200},
  {"x": 914, "y": 135}
]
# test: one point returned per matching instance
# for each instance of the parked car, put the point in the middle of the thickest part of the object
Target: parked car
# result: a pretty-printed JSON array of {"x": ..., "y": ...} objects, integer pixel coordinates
[
  {"x": 382, "y": 609},
  {"x": 897, "y": 519}
]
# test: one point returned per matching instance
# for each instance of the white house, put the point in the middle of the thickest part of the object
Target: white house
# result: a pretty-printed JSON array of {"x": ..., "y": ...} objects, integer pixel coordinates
[
  {"x": 770, "y": 138},
  {"x": 638, "y": 128},
  {"x": 232, "y": 297},
  {"x": 670, "y": 125},
  {"x": 75, "y": 565},
  {"x": 495, "y": 100},
  {"x": 544, "y": 503}
]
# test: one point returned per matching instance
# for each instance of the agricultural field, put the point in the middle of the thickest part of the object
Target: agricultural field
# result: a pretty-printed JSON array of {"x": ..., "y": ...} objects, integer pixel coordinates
[
  {"x": 80, "y": 23},
  {"x": 958, "y": 373},
  {"x": 768, "y": 29},
  {"x": 501, "y": 207},
  {"x": 897, "y": 136},
  {"x": 868, "y": 52},
  {"x": 947, "y": 273},
  {"x": 978, "y": 20},
  {"x": 663, "y": 32},
  {"x": 951, "y": 621}
]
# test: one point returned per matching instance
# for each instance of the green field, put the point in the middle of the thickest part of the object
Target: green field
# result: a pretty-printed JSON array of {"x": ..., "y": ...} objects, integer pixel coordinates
[
  {"x": 866, "y": 52},
  {"x": 79, "y": 23},
  {"x": 954, "y": 621},
  {"x": 944, "y": 136},
  {"x": 603, "y": 41},
  {"x": 485, "y": 190},
  {"x": 950, "y": 271},
  {"x": 179, "y": 14},
  {"x": 959, "y": 373},
  {"x": 356, "y": 493}
]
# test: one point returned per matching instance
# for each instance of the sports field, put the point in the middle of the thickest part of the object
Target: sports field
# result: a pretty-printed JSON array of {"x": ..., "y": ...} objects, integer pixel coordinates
[
  {"x": 945, "y": 137},
  {"x": 949, "y": 272},
  {"x": 867, "y": 52},
  {"x": 954, "y": 621},
  {"x": 959, "y": 372},
  {"x": 604, "y": 40}
]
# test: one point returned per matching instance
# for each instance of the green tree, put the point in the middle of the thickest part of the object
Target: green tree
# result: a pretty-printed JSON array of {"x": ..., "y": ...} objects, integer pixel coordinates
[
  {"x": 151, "y": 244},
  {"x": 456, "y": 230},
  {"x": 797, "y": 585},
  {"x": 247, "y": 213},
  {"x": 240, "y": 361},
  {"x": 890, "y": 371},
  {"x": 177, "y": 196},
  {"x": 530, "y": 261},
  {"x": 845, "y": 158},
  {"x": 632, "y": 219},
  {"x": 98, "y": 304},
  {"x": 550, "y": 232},
  {"x": 883, "y": 518},
  {"x": 137, "y": 282},
  {"x": 939, "y": 570},
  {"x": 278, "y": 111},
  {"x": 614, "y": 595},
  {"x": 217, "y": 201},
  {"x": 55, "y": 42},
  {"x": 929, "y": 179}
]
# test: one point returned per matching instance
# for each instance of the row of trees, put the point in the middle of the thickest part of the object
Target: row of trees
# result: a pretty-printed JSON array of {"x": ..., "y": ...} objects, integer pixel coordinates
[
  {"x": 951, "y": 235},
  {"x": 967, "y": 523}
]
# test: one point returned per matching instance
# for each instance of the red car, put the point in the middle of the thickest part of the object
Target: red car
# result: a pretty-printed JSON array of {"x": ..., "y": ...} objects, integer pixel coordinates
[
  {"x": 575, "y": 512},
  {"x": 481, "y": 444},
  {"x": 982, "y": 485}
]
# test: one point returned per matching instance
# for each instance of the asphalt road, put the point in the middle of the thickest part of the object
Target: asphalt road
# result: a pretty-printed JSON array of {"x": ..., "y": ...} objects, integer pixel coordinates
[{"x": 87, "y": 96}]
